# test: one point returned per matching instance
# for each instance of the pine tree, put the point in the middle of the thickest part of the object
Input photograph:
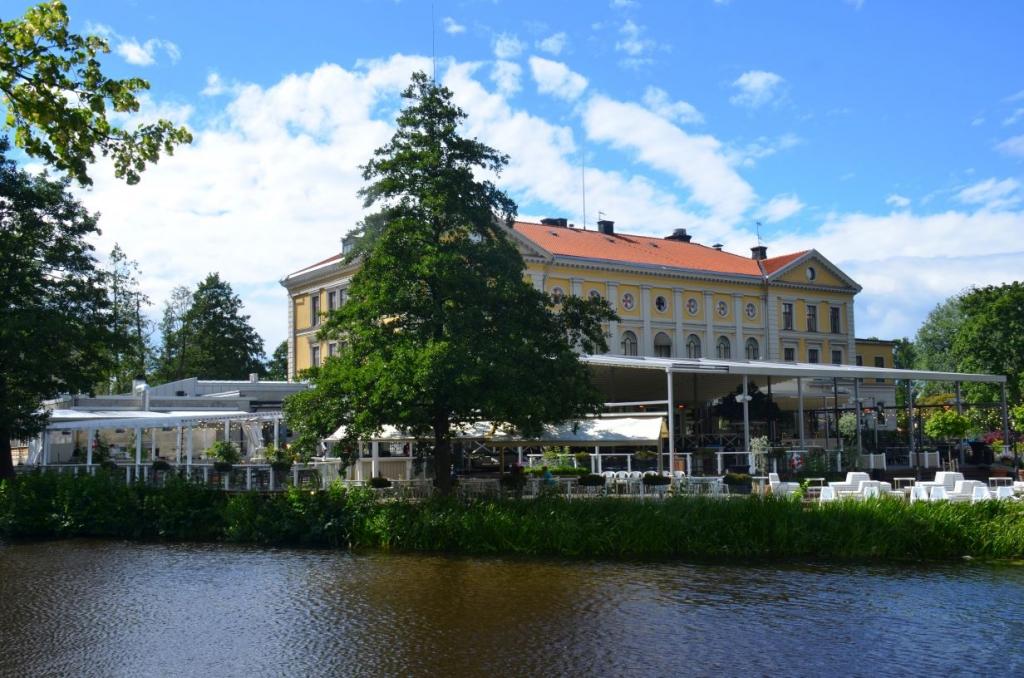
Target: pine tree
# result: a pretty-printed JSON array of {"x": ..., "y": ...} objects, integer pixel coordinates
[{"x": 127, "y": 302}]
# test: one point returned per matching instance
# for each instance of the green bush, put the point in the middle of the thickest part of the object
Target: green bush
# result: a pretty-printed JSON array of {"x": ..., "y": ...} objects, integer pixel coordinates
[
  {"x": 737, "y": 478},
  {"x": 592, "y": 480},
  {"x": 379, "y": 482},
  {"x": 39, "y": 505},
  {"x": 225, "y": 452},
  {"x": 558, "y": 471}
]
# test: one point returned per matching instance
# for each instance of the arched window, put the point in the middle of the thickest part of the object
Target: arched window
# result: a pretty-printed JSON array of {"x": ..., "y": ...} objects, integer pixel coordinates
[
  {"x": 753, "y": 350},
  {"x": 723, "y": 349},
  {"x": 628, "y": 343},
  {"x": 693, "y": 346},
  {"x": 662, "y": 345}
]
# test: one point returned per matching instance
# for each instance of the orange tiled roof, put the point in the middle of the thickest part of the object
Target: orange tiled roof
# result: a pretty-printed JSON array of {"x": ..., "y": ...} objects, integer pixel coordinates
[
  {"x": 637, "y": 249},
  {"x": 328, "y": 260},
  {"x": 775, "y": 263}
]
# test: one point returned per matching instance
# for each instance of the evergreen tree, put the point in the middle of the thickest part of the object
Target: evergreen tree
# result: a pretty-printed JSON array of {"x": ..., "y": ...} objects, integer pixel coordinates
[
  {"x": 211, "y": 338},
  {"x": 56, "y": 323},
  {"x": 170, "y": 358},
  {"x": 440, "y": 327}
]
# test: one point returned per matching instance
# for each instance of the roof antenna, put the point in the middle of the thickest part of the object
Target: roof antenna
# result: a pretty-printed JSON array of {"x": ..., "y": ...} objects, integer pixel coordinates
[
  {"x": 758, "y": 227},
  {"x": 433, "y": 45},
  {"x": 583, "y": 182}
]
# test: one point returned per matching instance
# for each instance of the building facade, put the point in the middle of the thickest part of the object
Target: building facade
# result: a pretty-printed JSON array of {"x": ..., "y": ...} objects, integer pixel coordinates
[{"x": 675, "y": 298}]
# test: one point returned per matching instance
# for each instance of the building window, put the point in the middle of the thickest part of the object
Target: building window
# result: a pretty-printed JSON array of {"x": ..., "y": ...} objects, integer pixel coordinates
[
  {"x": 661, "y": 303},
  {"x": 692, "y": 306},
  {"x": 556, "y": 295},
  {"x": 662, "y": 345},
  {"x": 837, "y": 357},
  {"x": 787, "y": 316},
  {"x": 693, "y": 346},
  {"x": 833, "y": 319},
  {"x": 332, "y": 301},
  {"x": 789, "y": 354},
  {"x": 859, "y": 360},
  {"x": 879, "y": 362},
  {"x": 812, "y": 318},
  {"x": 723, "y": 309},
  {"x": 628, "y": 343},
  {"x": 751, "y": 311},
  {"x": 314, "y": 355},
  {"x": 595, "y": 295},
  {"x": 314, "y": 309},
  {"x": 332, "y": 349},
  {"x": 628, "y": 301},
  {"x": 812, "y": 355},
  {"x": 811, "y": 273},
  {"x": 753, "y": 350},
  {"x": 722, "y": 348}
]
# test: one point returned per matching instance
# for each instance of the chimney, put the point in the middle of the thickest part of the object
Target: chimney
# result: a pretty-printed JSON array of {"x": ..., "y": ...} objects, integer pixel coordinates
[
  {"x": 759, "y": 253},
  {"x": 679, "y": 234},
  {"x": 254, "y": 378},
  {"x": 348, "y": 242},
  {"x": 606, "y": 226},
  {"x": 717, "y": 246},
  {"x": 560, "y": 222}
]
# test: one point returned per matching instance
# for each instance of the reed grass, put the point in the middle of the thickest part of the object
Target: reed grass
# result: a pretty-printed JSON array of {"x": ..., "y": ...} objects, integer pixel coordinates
[{"x": 693, "y": 528}]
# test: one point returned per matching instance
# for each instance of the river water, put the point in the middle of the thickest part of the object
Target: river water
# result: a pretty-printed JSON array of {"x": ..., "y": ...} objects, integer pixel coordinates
[{"x": 77, "y": 608}]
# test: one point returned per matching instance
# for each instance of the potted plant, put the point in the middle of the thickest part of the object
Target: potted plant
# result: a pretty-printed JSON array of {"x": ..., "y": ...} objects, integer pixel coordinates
[
  {"x": 739, "y": 483},
  {"x": 225, "y": 454},
  {"x": 280, "y": 459},
  {"x": 651, "y": 480}
]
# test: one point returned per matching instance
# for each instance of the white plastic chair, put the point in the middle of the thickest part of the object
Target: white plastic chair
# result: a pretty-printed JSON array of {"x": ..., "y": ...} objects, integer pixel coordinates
[
  {"x": 1004, "y": 492},
  {"x": 780, "y": 488},
  {"x": 827, "y": 494},
  {"x": 980, "y": 494},
  {"x": 918, "y": 493},
  {"x": 871, "y": 491},
  {"x": 938, "y": 494}
]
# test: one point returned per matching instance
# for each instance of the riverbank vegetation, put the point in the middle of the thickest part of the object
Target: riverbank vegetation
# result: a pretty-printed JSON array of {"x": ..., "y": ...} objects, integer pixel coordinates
[{"x": 48, "y": 506}]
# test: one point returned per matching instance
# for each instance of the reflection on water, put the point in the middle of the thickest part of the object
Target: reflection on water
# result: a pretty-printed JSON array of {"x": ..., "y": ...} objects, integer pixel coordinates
[{"x": 103, "y": 608}]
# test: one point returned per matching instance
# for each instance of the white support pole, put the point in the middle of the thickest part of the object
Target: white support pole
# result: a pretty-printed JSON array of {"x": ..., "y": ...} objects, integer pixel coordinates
[
  {"x": 374, "y": 459},
  {"x": 227, "y": 430},
  {"x": 800, "y": 410},
  {"x": 519, "y": 454},
  {"x": 860, "y": 414},
  {"x": 277, "y": 431},
  {"x": 629, "y": 462},
  {"x": 45, "y": 443},
  {"x": 90, "y": 437},
  {"x": 152, "y": 444},
  {"x": 746, "y": 423},
  {"x": 189, "y": 449},
  {"x": 1007, "y": 445},
  {"x": 177, "y": 447},
  {"x": 138, "y": 450},
  {"x": 597, "y": 455},
  {"x": 671, "y": 426}
]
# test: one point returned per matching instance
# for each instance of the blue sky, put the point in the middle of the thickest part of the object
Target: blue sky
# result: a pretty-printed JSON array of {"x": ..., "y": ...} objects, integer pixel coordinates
[{"x": 890, "y": 136}]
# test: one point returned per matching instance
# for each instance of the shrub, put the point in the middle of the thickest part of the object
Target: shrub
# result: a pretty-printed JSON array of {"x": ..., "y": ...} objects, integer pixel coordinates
[
  {"x": 558, "y": 471},
  {"x": 592, "y": 480},
  {"x": 379, "y": 482},
  {"x": 737, "y": 478},
  {"x": 161, "y": 465},
  {"x": 225, "y": 452}
]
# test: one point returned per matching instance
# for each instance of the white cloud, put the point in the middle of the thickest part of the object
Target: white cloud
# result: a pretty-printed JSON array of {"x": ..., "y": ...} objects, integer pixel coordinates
[
  {"x": 555, "y": 78},
  {"x": 698, "y": 162},
  {"x": 636, "y": 47},
  {"x": 760, "y": 148},
  {"x": 506, "y": 75},
  {"x": 452, "y": 27},
  {"x": 1014, "y": 117},
  {"x": 507, "y": 46},
  {"x": 682, "y": 112},
  {"x": 756, "y": 88},
  {"x": 553, "y": 44},
  {"x": 215, "y": 86},
  {"x": 978, "y": 121},
  {"x": 856, "y": 4},
  {"x": 898, "y": 201},
  {"x": 779, "y": 208},
  {"x": 991, "y": 194},
  {"x": 1012, "y": 146},
  {"x": 144, "y": 54},
  {"x": 620, "y": 4}
]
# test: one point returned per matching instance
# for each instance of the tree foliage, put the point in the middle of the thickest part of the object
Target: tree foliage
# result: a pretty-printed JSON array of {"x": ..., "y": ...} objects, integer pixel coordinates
[
  {"x": 206, "y": 335},
  {"x": 947, "y": 425},
  {"x": 276, "y": 368},
  {"x": 991, "y": 339},
  {"x": 440, "y": 327},
  {"x": 129, "y": 358},
  {"x": 57, "y": 330},
  {"x": 60, "y": 103}
]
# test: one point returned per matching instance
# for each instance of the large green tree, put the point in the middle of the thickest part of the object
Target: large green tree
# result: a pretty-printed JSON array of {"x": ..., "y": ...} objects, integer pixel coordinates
[
  {"x": 277, "y": 366},
  {"x": 211, "y": 338},
  {"x": 56, "y": 323},
  {"x": 990, "y": 338},
  {"x": 60, "y": 103},
  {"x": 440, "y": 327},
  {"x": 127, "y": 301}
]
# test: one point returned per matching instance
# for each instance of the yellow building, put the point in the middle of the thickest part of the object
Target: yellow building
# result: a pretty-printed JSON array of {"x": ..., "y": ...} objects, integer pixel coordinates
[{"x": 675, "y": 297}]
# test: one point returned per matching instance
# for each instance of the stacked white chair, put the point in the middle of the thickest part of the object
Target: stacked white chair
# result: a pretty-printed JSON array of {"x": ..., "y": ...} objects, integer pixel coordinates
[
  {"x": 780, "y": 488},
  {"x": 918, "y": 493},
  {"x": 827, "y": 494},
  {"x": 1004, "y": 492},
  {"x": 980, "y": 493},
  {"x": 938, "y": 493}
]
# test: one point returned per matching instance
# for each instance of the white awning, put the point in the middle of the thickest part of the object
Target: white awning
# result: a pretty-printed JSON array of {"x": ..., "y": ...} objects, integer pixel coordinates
[
  {"x": 605, "y": 431},
  {"x": 82, "y": 420}
]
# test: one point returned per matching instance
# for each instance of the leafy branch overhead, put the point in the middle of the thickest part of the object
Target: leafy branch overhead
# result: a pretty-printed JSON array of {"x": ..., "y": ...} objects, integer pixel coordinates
[{"x": 60, "y": 104}]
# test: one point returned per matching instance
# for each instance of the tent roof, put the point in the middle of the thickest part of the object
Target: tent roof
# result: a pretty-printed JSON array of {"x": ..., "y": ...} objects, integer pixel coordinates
[
  {"x": 69, "y": 420},
  {"x": 609, "y": 431}
]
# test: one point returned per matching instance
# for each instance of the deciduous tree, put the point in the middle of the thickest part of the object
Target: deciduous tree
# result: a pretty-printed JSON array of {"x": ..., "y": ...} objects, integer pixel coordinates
[
  {"x": 60, "y": 103},
  {"x": 56, "y": 323}
]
